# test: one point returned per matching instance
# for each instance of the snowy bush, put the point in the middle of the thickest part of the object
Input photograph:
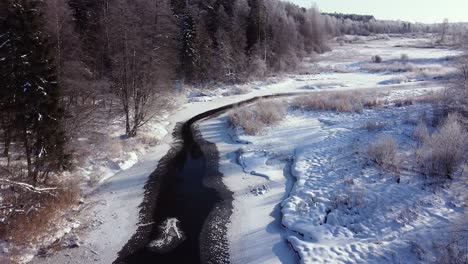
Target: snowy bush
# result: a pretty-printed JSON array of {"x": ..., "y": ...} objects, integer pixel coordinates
[
  {"x": 252, "y": 119},
  {"x": 149, "y": 140},
  {"x": 413, "y": 71},
  {"x": 420, "y": 133},
  {"x": 383, "y": 151},
  {"x": 404, "y": 57},
  {"x": 257, "y": 67},
  {"x": 373, "y": 126},
  {"x": 376, "y": 59},
  {"x": 444, "y": 151},
  {"x": 353, "y": 197},
  {"x": 236, "y": 90},
  {"x": 407, "y": 215},
  {"x": 458, "y": 90},
  {"x": 403, "y": 102},
  {"x": 270, "y": 112},
  {"x": 453, "y": 249}
]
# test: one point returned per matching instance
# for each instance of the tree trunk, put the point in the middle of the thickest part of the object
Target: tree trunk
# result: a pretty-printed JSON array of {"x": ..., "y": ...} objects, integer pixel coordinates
[
  {"x": 7, "y": 143},
  {"x": 27, "y": 150},
  {"x": 127, "y": 123}
]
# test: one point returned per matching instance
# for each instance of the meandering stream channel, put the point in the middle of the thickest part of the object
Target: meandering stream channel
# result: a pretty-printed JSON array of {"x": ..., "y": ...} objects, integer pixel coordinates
[{"x": 186, "y": 186}]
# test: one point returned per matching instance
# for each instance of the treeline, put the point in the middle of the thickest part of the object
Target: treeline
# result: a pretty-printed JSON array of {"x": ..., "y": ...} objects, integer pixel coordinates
[
  {"x": 66, "y": 64},
  {"x": 365, "y": 25},
  {"x": 211, "y": 40},
  {"x": 353, "y": 17}
]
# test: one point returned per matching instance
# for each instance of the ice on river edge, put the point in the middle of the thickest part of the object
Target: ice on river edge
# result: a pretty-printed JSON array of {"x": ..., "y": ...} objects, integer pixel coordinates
[{"x": 171, "y": 236}]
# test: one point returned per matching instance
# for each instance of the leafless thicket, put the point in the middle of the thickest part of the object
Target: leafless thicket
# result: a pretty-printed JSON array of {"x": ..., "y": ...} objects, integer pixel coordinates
[
  {"x": 457, "y": 92},
  {"x": 141, "y": 47},
  {"x": 442, "y": 153},
  {"x": 453, "y": 248}
]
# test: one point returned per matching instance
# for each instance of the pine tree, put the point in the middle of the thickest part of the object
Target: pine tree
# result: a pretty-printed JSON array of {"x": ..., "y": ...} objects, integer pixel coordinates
[
  {"x": 255, "y": 29},
  {"x": 30, "y": 86}
]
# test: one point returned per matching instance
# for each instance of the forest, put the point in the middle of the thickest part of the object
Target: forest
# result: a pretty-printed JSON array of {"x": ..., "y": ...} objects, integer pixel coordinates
[{"x": 78, "y": 58}]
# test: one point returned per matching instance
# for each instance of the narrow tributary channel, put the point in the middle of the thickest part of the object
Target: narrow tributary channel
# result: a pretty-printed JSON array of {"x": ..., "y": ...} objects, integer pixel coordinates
[{"x": 186, "y": 186}]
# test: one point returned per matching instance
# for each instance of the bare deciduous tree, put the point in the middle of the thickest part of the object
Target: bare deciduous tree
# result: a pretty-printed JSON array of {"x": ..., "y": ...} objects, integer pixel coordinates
[{"x": 141, "y": 34}]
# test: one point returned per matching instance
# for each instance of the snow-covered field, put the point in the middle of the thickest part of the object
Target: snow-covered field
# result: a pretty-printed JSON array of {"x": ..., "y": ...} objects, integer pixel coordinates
[
  {"x": 109, "y": 214},
  {"x": 341, "y": 208}
]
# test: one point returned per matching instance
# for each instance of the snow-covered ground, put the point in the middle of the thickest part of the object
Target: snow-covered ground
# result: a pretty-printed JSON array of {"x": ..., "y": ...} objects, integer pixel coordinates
[
  {"x": 341, "y": 209},
  {"x": 109, "y": 215}
]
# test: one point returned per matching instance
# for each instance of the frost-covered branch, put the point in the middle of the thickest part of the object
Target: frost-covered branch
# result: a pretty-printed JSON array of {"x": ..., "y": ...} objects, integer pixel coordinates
[{"x": 28, "y": 187}]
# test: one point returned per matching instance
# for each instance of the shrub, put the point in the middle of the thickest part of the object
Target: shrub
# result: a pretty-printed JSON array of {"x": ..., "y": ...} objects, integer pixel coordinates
[
  {"x": 376, "y": 59},
  {"x": 373, "y": 126},
  {"x": 236, "y": 90},
  {"x": 407, "y": 215},
  {"x": 149, "y": 140},
  {"x": 444, "y": 151},
  {"x": 252, "y": 119},
  {"x": 458, "y": 90},
  {"x": 420, "y": 133},
  {"x": 352, "y": 197},
  {"x": 404, "y": 57},
  {"x": 383, "y": 151},
  {"x": 257, "y": 67},
  {"x": 403, "y": 102},
  {"x": 453, "y": 249}
]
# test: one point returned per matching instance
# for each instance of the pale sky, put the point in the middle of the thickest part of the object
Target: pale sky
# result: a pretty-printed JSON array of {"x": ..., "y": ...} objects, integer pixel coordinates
[{"x": 427, "y": 11}]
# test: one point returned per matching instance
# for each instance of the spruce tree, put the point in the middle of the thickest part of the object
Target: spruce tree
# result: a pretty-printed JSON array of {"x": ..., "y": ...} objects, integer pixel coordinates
[{"x": 30, "y": 84}]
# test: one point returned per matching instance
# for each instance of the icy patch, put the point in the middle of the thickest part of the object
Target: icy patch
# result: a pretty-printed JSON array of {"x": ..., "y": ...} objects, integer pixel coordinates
[
  {"x": 171, "y": 236},
  {"x": 132, "y": 159},
  {"x": 253, "y": 161},
  {"x": 261, "y": 190}
]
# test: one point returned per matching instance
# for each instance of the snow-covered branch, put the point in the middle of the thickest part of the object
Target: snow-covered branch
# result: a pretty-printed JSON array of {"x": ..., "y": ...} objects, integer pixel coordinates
[{"x": 28, "y": 187}]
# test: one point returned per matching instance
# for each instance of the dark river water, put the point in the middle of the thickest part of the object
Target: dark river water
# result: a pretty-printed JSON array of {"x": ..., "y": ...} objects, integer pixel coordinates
[{"x": 187, "y": 186}]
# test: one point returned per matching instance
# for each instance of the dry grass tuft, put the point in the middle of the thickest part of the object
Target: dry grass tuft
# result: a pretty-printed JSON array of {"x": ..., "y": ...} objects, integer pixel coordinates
[
  {"x": 31, "y": 214},
  {"x": 252, "y": 119},
  {"x": 337, "y": 101},
  {"x": 383, "y": 152}
]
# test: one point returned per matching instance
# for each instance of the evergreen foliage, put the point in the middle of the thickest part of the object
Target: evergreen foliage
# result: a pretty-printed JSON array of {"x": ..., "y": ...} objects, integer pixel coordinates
[{"x": 30, "y": 95}]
